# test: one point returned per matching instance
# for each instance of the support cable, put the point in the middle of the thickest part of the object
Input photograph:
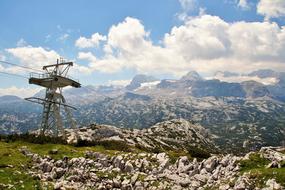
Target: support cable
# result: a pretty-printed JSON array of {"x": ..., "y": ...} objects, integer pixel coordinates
[
  {"x": 16, "y": 65},
  {"x": 12, "y": 74}
]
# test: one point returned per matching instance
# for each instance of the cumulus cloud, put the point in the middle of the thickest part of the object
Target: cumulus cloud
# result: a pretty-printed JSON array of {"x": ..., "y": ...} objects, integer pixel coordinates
[
  {"x": 87, "y": 56},
  {"x": 21, "y": 92},
  {"x": 271, "y": 8},
  {"x": 243, "y": 78},
  {"x": 257, "y": 41},
  {"x": 118, "y": 82},
  {"x": 21, "y": 43},
  {"x": 94, "y": 41},
  {"x": 34, "y": 57},
  {"x": 128, "y": 35},
  {"x": 204, "y": 43},
  {"x": 187, "y": 6},
  {"x": 129, "y": 46},
  {"x": 243, "y": 4},
  {"x": 203, "y": 37}
]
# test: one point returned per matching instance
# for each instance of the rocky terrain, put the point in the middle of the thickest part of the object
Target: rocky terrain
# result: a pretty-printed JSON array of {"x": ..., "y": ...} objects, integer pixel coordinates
[
  {"x": 245, "y": 123},
  {"x": 175, "y": 154},
  {"x": 176, "y": 134},
  {"x": 156, "y": 171},
  {"x": 17, "y": 115}
]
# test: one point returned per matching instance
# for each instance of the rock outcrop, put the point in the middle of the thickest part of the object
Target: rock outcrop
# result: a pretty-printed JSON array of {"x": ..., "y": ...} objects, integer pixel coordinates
[
  {"x": 149, "y": 171},
  {"x": 173, "y": 134}
]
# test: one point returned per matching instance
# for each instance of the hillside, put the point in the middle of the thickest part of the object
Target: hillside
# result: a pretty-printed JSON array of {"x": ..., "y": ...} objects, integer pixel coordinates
[
  {"x": 176, "y": 134},
  {"x": 243, "y": 122},
  {"x": 54, "y": 166}
]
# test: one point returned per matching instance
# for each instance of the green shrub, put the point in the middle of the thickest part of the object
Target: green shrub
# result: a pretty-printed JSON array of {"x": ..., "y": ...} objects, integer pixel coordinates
[
  {"x": 255, "y": 161},
  {"x": 32, "y": 138},
  {"x": 196, "y": 152},
  {"x": 109, "y": 145}
]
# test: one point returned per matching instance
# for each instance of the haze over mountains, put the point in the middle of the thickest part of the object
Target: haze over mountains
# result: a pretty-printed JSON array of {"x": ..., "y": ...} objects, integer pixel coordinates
[{"x": 249, "y": 112}]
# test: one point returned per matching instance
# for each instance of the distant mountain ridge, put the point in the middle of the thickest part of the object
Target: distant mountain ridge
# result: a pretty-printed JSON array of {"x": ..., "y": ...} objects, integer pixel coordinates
[
  {"x": 191, "y": 84},
  {"x": 9, "y": 99},
  {"x": 247, "y": 114}
]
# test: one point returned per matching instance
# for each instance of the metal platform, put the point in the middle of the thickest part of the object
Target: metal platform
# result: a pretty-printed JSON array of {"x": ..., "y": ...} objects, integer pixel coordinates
[{"x": 48, "y": 81}]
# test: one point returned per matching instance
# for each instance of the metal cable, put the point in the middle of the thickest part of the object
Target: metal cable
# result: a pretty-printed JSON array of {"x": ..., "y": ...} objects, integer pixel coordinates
[
  {"x": 25, "y": 67},
  {"x": 12, "y": 74}
]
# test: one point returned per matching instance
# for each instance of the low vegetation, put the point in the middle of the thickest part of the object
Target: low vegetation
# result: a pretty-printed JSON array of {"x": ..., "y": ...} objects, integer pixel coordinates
[
  {"x": 198, "y": 152},
  {"x": 14, "y": 165},
  {"x": 255, "y": 166},
  {"x": 255, "y": 161}
]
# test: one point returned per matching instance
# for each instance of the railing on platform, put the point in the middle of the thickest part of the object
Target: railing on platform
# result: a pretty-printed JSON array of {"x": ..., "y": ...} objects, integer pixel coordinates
[{"x": 47, "y": 75}]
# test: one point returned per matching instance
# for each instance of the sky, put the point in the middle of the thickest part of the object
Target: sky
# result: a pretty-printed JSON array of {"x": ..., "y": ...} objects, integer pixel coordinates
[{"x": 111, "y": 41}]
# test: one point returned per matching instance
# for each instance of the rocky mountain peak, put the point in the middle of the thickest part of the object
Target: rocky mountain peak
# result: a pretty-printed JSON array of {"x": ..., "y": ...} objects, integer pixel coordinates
[
  {"x": 254, "y": 89},
  {"x": 138, "y": 80},
  {"x": 191, "y": 76}
]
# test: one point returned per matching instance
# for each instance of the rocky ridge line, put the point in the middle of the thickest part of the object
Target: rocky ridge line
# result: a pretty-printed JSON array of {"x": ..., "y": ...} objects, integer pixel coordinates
[{"x": 174, "y": 134}]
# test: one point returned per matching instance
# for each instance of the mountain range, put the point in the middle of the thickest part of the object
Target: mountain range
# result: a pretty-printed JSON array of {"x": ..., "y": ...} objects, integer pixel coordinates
[{"x": 245, "y": 110}]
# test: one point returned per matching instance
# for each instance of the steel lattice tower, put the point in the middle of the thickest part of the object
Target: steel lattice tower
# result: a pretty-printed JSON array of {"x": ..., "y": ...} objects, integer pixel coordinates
[{"x": 54, "y": 80}]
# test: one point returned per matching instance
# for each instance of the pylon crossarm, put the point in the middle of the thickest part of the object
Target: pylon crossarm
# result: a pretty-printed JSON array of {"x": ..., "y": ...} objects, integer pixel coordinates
[
  {"x": 59, "y": 64},
  {"x": 42, "y": 101}
]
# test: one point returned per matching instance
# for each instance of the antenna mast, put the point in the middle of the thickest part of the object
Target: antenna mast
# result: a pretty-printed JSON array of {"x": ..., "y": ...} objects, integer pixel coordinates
[{"x": 54, "y": 80}]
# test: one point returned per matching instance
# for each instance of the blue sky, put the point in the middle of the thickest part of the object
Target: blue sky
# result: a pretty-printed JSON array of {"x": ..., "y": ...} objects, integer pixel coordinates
[{"x": 165, "y": 38}]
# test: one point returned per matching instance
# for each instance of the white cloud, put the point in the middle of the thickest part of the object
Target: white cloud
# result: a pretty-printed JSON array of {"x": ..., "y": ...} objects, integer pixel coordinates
[
  {"x": 204, "y": 43},
  {"x": 203, "y": 37},
  {"x": 243, "y": 4},
  {"x": 63, "y": 37},
  {"x": 21, "y": 43},
  {"x": 33, "y": 57},
  {"x": 257, "y": 41},
  {"x": 118, "y": 82},
  {"x": 128, "y": 36},
  {"x": 241, "y": 78},
  {"x": 37, "y": 57},
  {"x": 86, "y": 56},
  {"x": 80, "y": 69},
  {"x": 2, "y": 57},
  {"x": 21, "y": 92},
  {"x": 187, "y": 6},
  {"x": 1, "y": 68},
  {"x": 271, "y": 8},
  {"x": 94, "y": 41}
]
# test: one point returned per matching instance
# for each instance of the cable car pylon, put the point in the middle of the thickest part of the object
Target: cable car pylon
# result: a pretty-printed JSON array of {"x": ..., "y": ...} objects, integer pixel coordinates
[{"x": 54, "y": 79}]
